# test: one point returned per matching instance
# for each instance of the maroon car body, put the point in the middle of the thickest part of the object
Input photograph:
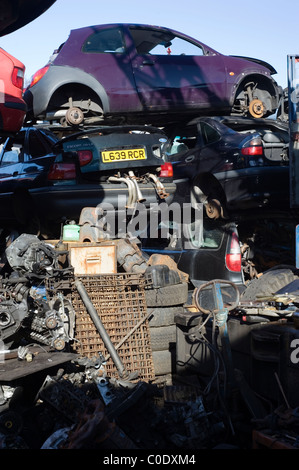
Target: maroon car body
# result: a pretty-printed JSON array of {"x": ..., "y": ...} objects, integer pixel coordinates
[{"x": 146, "y": 74}]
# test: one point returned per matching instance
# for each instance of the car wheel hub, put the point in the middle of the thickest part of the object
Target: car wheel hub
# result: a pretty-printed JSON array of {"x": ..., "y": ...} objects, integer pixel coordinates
[
  {"x": 256, "y": 108},
  {"x": 74, "y": 116}
]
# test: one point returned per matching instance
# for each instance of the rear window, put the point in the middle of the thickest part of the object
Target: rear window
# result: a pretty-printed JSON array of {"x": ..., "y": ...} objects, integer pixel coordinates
[
  {"x": 170, "y": 235},
  {"x": 105, "y": 41}
]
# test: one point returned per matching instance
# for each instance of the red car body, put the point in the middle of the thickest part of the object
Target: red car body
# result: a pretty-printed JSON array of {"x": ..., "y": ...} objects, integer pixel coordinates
[{"x": 12, "y": 106}]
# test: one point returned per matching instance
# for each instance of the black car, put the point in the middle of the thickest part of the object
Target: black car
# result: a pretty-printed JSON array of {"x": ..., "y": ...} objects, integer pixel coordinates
[
  {"x": 47, "y": 180},
  {"x": 24, "y": 159},
  {"x": 205, "y": 249},
  {"x": 233, "y": 163}
]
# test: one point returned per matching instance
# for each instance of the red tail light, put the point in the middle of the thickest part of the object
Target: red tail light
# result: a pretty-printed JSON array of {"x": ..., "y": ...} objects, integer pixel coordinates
[
  {"x": 253, "y": 148},
  {"x": 62, "y": 171},
  {"x": 233, "y": 257},
  {"x": 85, "y": 157},
  {"x": 39, "y": 74},
  {"x": 18, "y": 77},
  {"x": 166, "y": 170}
]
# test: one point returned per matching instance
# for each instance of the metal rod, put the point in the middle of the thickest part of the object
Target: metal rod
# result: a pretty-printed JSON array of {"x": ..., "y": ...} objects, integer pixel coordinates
[{"x": 101, "y": 329}]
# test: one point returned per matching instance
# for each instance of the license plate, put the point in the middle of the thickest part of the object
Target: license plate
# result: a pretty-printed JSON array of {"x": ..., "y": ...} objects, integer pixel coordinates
[{"x": 111, "y": 156}]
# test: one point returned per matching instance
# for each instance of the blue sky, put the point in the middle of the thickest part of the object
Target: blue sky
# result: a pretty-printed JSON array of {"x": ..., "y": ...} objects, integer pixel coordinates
[{"x": 266, "y": 29}]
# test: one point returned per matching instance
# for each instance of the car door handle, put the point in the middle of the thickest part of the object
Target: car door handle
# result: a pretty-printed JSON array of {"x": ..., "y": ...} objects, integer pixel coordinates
[
  {"x": 148, "y": 62},
  {"x": 190, "y": 158}
]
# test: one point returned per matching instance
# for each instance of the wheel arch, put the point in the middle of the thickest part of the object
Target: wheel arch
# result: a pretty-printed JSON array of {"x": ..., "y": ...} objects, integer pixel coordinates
[
  {"x": 208, "y": 183},
  {"x": 267, "y": 89},
  {"x": 58, "y": 78}
]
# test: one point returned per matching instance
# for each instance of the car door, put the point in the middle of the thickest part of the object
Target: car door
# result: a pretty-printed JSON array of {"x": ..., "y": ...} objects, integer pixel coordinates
[
  {"x": 11, "y": 162},
  {"x": 102, "y": 52},
  {"x": 38, "y": 156},
  {"x": 196, "y": 148},
  {"x": 172, "y": 72}
]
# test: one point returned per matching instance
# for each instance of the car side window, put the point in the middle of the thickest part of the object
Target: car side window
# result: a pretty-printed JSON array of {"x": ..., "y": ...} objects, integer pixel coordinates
[
  {"x": 106, "y": 41},
  {"x": 11, "y": 153},
  {"x": 36, "y": 147},
  {"x": 209, "y": 134},
  {"x": 186, "y": 139},
  {"x": 11, "y": 157},
  {"x": 157, "y": 42},
  {"x": 178, "y": 46}
]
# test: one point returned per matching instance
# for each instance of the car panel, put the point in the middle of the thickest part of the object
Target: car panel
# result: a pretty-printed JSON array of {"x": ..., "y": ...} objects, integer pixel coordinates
[
  {"x": 189, "y": 85},
  {"x": 12, "y": 105},
  {"x": 26, "y": 189},
  {"x": 113, "y": 71},
  {"x": 247, "y": 181},
  {"x": 203, "y": 258},
  {"x": 138, "y": 82},
  {"x": 115, "y": 140}
]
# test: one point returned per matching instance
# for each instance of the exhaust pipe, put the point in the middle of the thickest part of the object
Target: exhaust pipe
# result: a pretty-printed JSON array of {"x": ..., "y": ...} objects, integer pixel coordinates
[
  {"x": 159, "y": 186},
  {"x": 131, "y": 189},
  {"x": 138, "y": 193}
]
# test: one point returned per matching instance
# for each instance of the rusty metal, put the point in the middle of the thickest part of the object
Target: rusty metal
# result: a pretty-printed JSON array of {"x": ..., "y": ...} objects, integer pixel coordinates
[
  {"x": 120, "y": 301},
  {"x": 94, "y": 315},
  {"x": 159, "y": 259},
  {"x": 262, "y": 440},
  {"x": 93, "y": 259},
  {"x": 160, "y": 189},
  {"x": 256, "y": 108},
  {"x": 130, "y": 257}
]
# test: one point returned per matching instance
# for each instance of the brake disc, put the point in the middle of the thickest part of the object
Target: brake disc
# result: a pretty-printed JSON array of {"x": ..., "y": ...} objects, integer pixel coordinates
[
  {"x": 256, "y": 108},
  {"x": 74, "y": 116}
]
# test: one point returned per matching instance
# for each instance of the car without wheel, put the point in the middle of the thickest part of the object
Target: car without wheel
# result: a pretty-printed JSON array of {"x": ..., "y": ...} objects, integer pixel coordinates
[
  {"x": 146, "y": 74},
  {"x": 231, "y": 163},
  {"x": 47, "y": 180}
]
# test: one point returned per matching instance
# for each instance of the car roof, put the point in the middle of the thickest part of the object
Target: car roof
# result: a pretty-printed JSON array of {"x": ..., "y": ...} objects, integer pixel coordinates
[
  {"x": 92, "y": 28},
  {"x": 240, "y": 121}
]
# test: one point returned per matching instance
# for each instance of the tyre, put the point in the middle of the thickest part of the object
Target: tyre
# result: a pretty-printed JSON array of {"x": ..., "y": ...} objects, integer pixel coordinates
[
  {"x": 176, "y": 294},
  {"x": 163, "y": 362},
  {"x": 269, "y": 283},
  {"x": 164, "y": 316},
  {"x": 162, "y": 338}
]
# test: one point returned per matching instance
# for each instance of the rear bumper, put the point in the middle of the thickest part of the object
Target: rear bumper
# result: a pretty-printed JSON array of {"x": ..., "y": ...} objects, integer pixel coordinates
[
  {"x": 61, "y": 200},
  {"x": 258, "y": 187}
]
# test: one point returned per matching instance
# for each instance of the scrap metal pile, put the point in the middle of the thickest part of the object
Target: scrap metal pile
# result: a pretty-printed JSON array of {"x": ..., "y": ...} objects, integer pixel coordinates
[{"x": 88, "y": 340}]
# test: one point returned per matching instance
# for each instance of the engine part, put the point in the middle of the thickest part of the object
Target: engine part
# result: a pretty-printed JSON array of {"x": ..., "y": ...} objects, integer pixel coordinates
[
  {"x": 12, "y": 314},
  {"x": 130, "y": 257},
  {"x": 27, "y": 254}
]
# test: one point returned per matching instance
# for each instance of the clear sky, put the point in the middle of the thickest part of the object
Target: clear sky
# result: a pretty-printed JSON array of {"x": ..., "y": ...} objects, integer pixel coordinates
[{"x": 265, "y": 29}]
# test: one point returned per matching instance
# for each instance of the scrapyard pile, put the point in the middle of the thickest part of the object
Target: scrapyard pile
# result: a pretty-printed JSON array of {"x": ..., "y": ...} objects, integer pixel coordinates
[{"x": 91, "y": 336}]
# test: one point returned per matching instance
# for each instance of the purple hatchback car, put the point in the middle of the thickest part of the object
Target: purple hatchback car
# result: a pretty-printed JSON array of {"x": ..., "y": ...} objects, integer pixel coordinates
[{"x": 146, "y": 74}]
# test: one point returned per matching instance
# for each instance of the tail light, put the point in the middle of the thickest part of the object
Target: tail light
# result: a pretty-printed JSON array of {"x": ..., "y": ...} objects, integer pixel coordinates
[
  {"x": 253, "y": 150},
  {"x": 62, "y": 171},
  {"x": 39, "y": 74},
  {"x": 18, "y": 77},
  {"x": 166, "y": 170},
  {"x": 85, "y": 157},
  {"x": 233, "y": 256}
]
